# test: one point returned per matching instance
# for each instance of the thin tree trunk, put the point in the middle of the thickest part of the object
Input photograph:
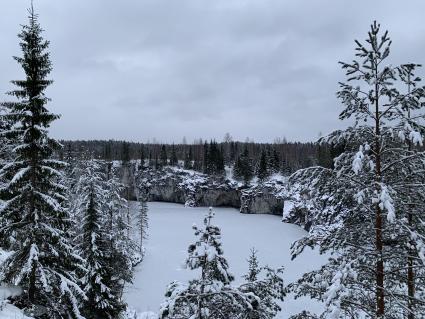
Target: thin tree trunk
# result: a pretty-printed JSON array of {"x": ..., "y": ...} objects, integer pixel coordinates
[
  {"x": 410, "y": 271},
  {"x": 380, "y": 297},
  {"x": 31, "y": 286},
  {"x": 141, "y": 234},
  {"x": 32, "y": 278}
]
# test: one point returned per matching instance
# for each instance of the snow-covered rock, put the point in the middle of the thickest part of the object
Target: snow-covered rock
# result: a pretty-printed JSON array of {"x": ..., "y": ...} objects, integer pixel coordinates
[
  {"x": 193, "y": 189},
  {"x": 264, "y": 198}
]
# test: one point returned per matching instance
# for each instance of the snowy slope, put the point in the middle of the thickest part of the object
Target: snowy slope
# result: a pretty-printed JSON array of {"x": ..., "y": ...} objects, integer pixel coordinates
[
  {"x": 7, "y": 311},
  {"x": 170, "y": 234}
]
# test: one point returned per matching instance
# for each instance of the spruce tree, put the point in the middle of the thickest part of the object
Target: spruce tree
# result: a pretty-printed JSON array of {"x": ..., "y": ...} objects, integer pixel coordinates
[
  {"x": 173, "y": 158},
  {"x": 142, "y": 156},
  {"x": 43, "y": 262},
  {"x": 265, "y": 283},
  {"x": 213, "y": 159},
  {"x": 125, "y": 153},
  {"x": 210, "y": 296},
  {"x": 95, "y": 246},
  {"x": 262, "y": 171},
  {"x": 273, "y": 162},
  {"x": 243, "y": 169},
  {"x": 163, "y": 156}
]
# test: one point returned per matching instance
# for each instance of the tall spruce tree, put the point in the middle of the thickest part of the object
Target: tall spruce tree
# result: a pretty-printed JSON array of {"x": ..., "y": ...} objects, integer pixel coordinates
[
  {"x": 95, "y": 246},
  {"x": 43, "y": 262},
  {"x": 368, "y": 208}
]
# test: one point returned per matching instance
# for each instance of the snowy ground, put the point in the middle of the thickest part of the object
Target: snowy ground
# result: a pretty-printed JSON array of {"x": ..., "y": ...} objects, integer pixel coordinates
[
  {"x": 170, "y": 233},
  {"x": 7, "y": 311}
]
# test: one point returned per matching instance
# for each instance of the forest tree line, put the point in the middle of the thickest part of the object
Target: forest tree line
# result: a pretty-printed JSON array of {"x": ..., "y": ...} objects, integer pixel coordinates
[{"x": 206, "y": 156}]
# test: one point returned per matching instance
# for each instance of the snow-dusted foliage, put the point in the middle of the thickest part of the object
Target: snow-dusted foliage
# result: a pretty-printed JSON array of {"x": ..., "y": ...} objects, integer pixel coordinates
[
  {"x": 265, "y": 283},
  {"x": 142, "y": 216},
  {"x": 33, "y": 216},
  {"x": 243, "y": 169},
  {"x": 94, "y": 244},
  {"x": 211, "y": 295},
  {"x": 367, "y": 212},
  {"x": 123, "y": 249}
]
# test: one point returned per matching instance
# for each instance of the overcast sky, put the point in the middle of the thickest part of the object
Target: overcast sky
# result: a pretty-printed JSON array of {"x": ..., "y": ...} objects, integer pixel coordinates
[{"x": 165, "y": 69}]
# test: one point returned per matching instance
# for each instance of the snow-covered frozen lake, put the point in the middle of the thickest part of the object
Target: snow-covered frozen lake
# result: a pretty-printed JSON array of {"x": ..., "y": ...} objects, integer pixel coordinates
[{"x": 170, "y": 233}]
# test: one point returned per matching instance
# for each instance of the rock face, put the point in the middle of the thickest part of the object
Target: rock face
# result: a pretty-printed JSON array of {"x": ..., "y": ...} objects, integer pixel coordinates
[
  {"x": 192, "y": 188},
  {"x": 266, "y": 198},
  {"x": 189, "y": 188}
]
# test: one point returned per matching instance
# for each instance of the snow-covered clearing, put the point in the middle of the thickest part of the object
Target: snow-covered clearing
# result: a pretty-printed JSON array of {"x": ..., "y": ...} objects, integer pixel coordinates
[{"x": 171, "y": 232}]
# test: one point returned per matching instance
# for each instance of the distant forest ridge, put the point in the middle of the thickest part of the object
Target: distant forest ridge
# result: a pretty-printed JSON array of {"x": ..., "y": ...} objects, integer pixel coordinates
[{"x": 287, "y": 156}]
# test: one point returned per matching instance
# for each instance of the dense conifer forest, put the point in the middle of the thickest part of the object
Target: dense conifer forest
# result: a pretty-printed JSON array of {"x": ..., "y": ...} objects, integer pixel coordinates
[{"x": 285, "y": 157}]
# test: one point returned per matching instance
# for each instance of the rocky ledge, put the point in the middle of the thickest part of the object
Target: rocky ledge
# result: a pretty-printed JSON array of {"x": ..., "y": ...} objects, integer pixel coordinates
[{"x": 191, "y": 188}]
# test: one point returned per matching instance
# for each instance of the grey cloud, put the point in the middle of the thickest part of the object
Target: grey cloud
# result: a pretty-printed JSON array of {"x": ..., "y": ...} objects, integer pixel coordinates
[{"x": 167, "y": 69}]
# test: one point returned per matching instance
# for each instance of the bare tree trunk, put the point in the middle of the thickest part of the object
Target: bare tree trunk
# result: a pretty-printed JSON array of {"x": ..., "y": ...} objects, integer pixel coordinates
[
  {"x": 31, "y": 286},
  {"x": 380, "y": 296},
  {"x": 141, "y": 235},
  {"x": 410, "y": 271},
  {"x": 34, "y": 158}
]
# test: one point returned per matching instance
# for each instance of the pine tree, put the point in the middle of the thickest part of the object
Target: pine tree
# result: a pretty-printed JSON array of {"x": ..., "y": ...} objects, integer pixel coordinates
[
  {"x": 361, "y": 206},
  {"x": 44, "y": 261},
  {"x": 269, "y": 288},
  {"x": 95, "y": 246},
  {"x": 211, "y": 295},
  {"x": 411, "y": 192}
]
